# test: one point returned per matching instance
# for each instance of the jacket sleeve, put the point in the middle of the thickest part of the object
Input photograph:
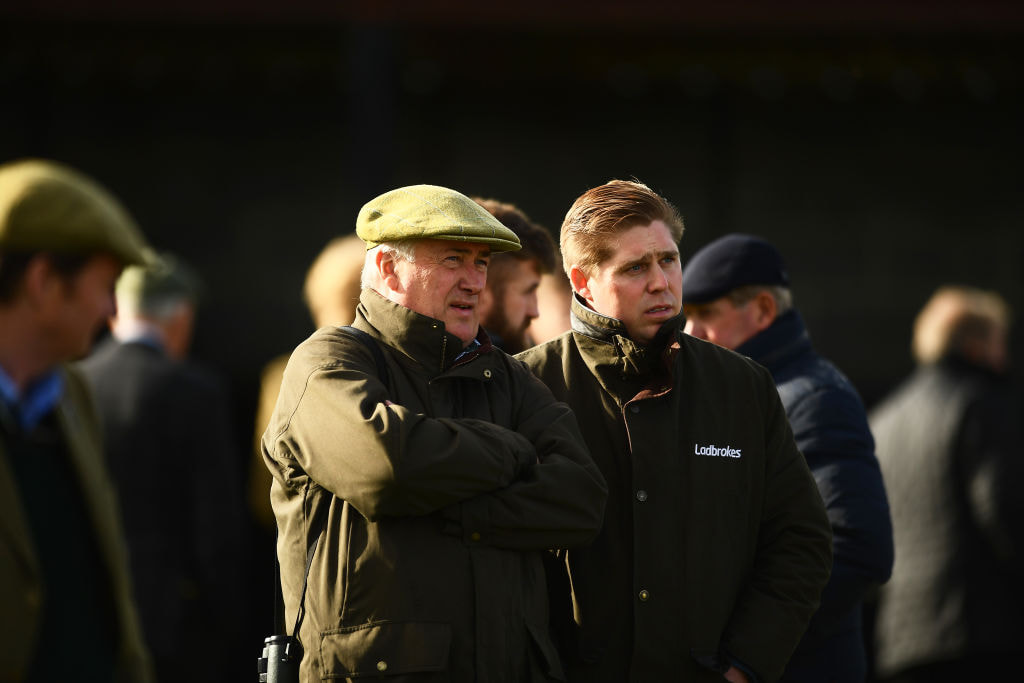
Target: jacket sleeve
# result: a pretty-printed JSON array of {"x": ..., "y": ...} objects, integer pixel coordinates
[
  {"x": 991, "y": 466},
  {"x": 334, "y": 422},
  {"x": 831, "y": 431},
  {"x": 556, "y": 502},
  {"x": 793, "y": 556}
]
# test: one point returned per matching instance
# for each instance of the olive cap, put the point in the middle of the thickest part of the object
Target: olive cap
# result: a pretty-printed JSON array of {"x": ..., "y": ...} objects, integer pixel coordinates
[
  {"x": 431, "y": 212},
  {"x": 46, "y": 206}
]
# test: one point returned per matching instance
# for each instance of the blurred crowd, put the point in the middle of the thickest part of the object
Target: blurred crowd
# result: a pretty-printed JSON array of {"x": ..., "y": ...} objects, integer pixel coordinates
[{"x": 137, "y": 537}]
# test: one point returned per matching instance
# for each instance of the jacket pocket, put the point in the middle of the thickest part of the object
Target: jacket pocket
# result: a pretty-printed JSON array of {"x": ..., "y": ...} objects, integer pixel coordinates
[{"x": 385, "y": 648}]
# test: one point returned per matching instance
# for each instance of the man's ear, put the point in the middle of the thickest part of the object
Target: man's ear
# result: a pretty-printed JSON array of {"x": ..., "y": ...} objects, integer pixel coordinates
[
  {"x": 40, "y": 281},
  {"x": 765, "y": 310},
  {"x": 385, "y": 264},
  {"x": 580, "y": 282}
]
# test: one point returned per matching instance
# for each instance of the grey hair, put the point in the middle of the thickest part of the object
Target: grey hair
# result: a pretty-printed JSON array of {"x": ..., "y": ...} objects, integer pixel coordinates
[
  {"x": 400, "y": 249},
  {"x": 783, "y": 296}
]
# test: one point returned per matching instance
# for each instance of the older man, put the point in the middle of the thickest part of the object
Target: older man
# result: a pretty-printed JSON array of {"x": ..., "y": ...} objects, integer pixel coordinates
[
  {"x": 951, "y": 446},
  {"x": 155, "y": 406},
  {"x": 435, "y": 483},
  {"x": 736, "y": 294},
  {"x": 66, "y": 608},
  {"x": 715, "y": 545}
]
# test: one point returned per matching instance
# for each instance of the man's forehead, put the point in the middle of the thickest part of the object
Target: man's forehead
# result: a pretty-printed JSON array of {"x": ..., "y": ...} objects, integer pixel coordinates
[{"x": 640, "y": 241}]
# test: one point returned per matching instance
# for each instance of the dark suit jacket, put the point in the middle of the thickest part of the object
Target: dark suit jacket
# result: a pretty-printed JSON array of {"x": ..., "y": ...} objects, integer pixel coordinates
[{"x": 170, "y": 453}]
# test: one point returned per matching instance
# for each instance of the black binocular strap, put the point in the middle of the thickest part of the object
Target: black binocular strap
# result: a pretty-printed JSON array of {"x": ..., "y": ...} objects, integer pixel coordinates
[{"x": 382, "y": 372}]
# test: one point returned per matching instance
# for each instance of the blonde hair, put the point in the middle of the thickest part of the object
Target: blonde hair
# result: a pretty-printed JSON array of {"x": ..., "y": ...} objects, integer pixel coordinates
[
  {"x": 607, "y": 210},
  {"x": 332, "y": 286},
  {"x": 955, "y": 316}
]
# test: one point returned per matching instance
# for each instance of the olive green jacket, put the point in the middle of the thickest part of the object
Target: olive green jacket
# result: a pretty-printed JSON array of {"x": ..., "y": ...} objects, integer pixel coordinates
[
  {"x": 22, "y": 592},
  {"x": 440, "y": 492},
  {"x": 716, "y": 545}
]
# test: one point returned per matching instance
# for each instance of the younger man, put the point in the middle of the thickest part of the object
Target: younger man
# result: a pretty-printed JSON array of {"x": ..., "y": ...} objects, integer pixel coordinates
[{"x": 715, "y": 544}]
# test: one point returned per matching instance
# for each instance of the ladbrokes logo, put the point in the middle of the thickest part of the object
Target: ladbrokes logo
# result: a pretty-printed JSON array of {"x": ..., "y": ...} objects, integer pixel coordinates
[{"x": 716, "y": 451}]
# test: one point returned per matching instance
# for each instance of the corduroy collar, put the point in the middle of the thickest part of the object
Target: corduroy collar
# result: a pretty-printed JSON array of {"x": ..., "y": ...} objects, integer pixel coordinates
[
  {"x": 612, "y": 355},
  {"x": 421, "y": 338}
]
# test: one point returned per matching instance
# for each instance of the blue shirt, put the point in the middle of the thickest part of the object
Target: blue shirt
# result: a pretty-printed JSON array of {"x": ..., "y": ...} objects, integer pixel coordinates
[{"x": 39, "y": 399}]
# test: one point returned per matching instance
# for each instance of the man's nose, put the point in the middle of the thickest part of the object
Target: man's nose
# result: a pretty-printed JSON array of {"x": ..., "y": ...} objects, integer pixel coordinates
[
  {"x": 473, "y": 280},
  {"x": 532, "y": 308},
  {"x": 657, "y": 280}
]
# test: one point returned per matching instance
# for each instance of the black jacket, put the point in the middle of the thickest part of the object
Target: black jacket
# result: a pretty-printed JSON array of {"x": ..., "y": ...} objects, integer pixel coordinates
[
  {"x": 831, "y": 430},
  {"x": 950, "y": 446},
  {"x": 168, "y": 446},
  {"x": 715, "y": 544}
]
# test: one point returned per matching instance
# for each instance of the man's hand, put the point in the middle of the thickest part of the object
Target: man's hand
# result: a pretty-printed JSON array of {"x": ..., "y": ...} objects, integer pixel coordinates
[{"x": 735, "y": 675}]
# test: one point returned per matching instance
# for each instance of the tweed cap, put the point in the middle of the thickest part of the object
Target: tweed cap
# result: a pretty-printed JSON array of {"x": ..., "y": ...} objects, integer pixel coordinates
[
  {"x": 46, "y": 206},
  {"x": 431, "y": 212},
  {"x": 164, "y": 278},
  {"x": 732, "y": 261}
]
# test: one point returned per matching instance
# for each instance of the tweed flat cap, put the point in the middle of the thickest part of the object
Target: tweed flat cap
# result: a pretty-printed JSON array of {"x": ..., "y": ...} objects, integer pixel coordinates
[
  {"x": 431, "y": 212},
  {"x": 51, "y": 207},
  {"x": 732, "y": 261}
]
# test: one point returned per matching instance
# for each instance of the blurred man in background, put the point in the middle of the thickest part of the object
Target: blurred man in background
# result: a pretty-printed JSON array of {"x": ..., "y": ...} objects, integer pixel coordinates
[
  {"x": 508, "y": 303},
  {"x": 66, "y": 607},
  {"x": 170, "y": 453},
  {"x": 331, "y": 294},
  {"x": 951, "y": 446},
  {"x": 554, "y": 299},
  {"x": 736, "y": 294}
]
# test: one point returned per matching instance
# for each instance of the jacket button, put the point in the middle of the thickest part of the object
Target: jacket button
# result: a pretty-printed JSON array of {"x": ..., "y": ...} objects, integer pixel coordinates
[
  {"x": 643, "y": 595},
  {"x": 382, "y": 665},
  {"x": 475, "y": 536},
  {"x": 634, "y": 409},
  {"x": 641, "y": 495},
  {"x": 487, "y": 373}
]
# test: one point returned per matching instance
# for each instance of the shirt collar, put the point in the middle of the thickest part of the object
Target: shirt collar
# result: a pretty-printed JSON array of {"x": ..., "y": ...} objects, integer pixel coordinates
[{"x": 37, "y": 401}]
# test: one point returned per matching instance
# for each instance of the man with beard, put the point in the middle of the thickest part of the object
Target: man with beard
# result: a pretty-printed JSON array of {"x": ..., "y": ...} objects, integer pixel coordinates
[{"x": 508, "y": 304}]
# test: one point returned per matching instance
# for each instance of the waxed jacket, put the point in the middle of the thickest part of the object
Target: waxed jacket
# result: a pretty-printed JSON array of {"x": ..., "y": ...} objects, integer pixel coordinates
[
  {"x": 949, "y": 443},
  {"x": 22, "y": 592},
  {"x": 831, "y": 430},
  {"x": 441, "y": 492},
  {"x": 715, "y": 546}
]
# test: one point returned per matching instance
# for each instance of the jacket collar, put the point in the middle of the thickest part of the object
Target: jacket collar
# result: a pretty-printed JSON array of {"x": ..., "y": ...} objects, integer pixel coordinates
[
  {"x": 620, "y": 363},
  {"x": 783, "y": 341},
  {"x": 421, "y": 338}
]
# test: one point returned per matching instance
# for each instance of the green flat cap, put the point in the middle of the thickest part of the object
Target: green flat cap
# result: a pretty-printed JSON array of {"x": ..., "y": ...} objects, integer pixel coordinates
[
  {"x": 431, "y": 212},
  {"x": 50, "y": 207}
]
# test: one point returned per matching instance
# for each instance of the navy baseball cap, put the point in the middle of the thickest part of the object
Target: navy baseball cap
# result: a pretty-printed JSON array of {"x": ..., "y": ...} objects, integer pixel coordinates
[{"x": 729, "y": 262}]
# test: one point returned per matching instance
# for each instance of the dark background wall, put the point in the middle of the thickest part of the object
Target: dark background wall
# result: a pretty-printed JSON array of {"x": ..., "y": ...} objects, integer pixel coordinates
[{"x": 878, "y": 146}]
